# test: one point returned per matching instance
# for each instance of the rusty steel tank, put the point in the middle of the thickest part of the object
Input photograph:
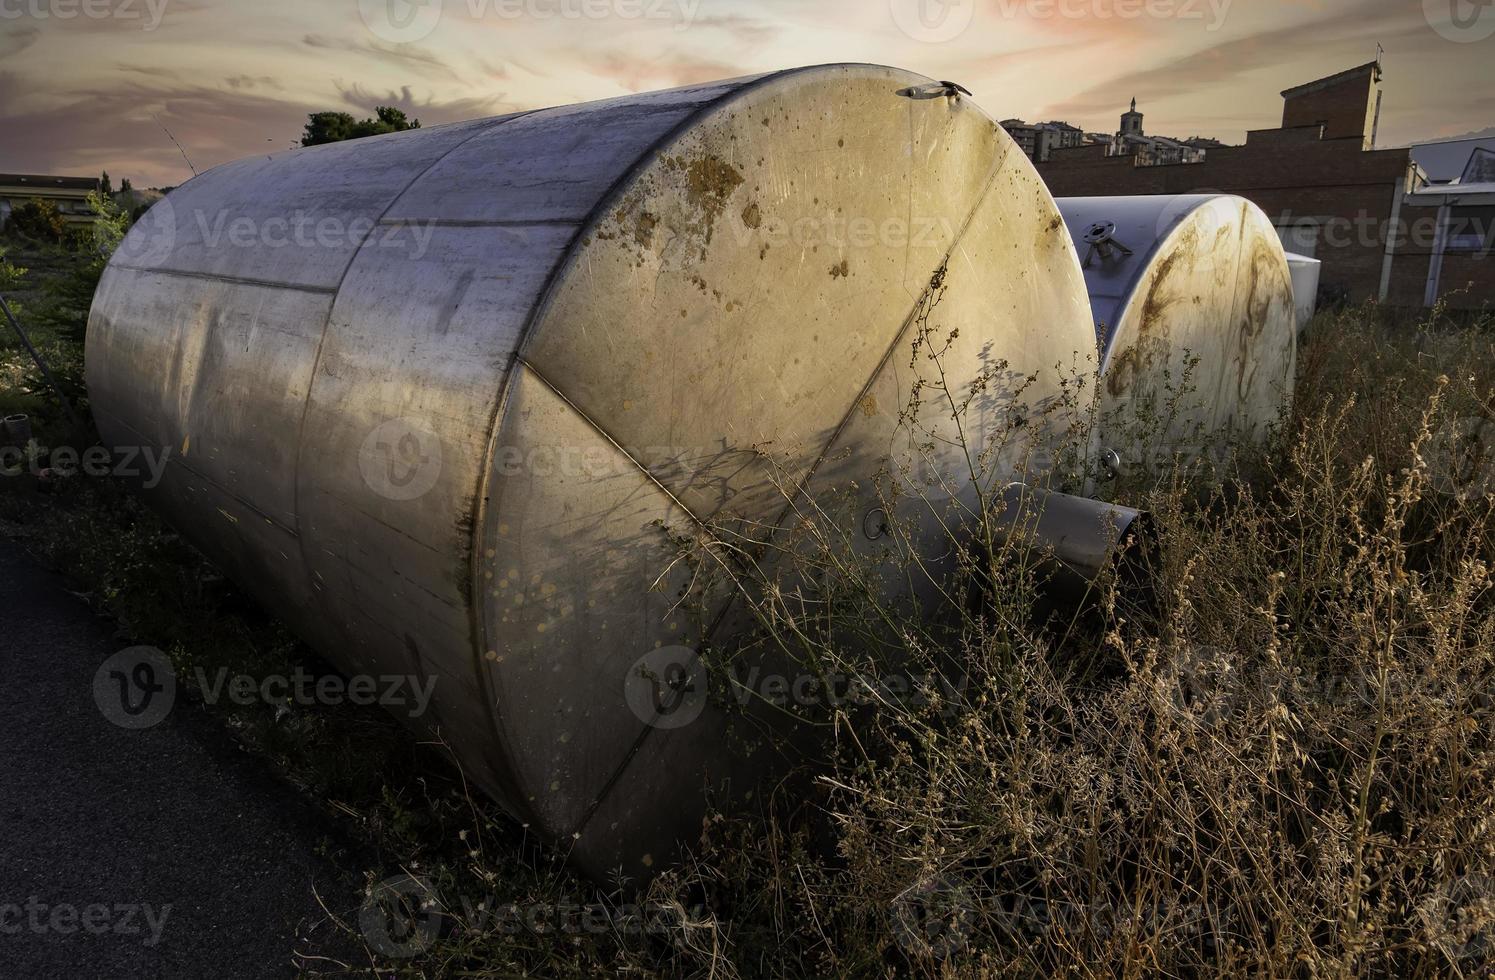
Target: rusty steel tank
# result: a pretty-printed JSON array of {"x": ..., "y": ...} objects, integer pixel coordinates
[
  {"x": 447, "y": 400},
  {"x": 1195, "y": 319}
]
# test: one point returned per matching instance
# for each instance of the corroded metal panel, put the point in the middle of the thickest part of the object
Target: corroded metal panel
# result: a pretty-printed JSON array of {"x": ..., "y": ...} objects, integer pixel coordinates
[
  {"x": 463, "y": 436},
  {"x": 1194, "y": 314}
]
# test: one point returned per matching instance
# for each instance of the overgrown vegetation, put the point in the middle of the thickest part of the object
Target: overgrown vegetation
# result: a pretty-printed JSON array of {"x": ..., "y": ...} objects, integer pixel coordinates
[{"x": 1280, "y": 766}]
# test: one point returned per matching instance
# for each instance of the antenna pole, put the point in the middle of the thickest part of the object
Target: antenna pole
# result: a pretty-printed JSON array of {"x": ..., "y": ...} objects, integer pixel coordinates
[{"x": 178, "y": 145}]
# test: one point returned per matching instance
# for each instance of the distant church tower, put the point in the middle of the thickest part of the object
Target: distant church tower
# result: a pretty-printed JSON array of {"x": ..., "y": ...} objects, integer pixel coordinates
[{"x": 1131, "y": 122}]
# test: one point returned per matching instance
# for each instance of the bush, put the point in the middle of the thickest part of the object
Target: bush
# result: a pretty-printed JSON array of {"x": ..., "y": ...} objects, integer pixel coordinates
[{"x": 38, "y": 220}]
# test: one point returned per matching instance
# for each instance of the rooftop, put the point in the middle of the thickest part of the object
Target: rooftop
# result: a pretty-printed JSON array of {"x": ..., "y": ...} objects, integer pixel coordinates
[
  {"x": 44, "y": 180},
  {"x": 1319, "y": 84}
]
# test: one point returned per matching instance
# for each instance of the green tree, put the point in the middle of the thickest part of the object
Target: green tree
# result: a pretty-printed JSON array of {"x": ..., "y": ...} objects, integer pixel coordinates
[
  {"x": 327, "y": 127},
  {"x": 334, "y": 127},
  {"x": 105, "y": 187}
]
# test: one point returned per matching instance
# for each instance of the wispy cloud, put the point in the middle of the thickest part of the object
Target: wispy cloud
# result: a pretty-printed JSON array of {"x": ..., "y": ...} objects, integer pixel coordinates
[
  {"x": 17, "y": 40},
  {"x": 401, "y": 55},
  {"x": 233, "y": 79}
]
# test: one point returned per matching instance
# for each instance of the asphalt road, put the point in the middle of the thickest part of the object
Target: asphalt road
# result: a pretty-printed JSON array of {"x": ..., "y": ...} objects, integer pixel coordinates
[{"x": 161, "y": 852}]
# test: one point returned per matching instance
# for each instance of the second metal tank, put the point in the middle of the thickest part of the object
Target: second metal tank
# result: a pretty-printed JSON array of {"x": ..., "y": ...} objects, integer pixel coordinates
[{"x": 1194, "y": 315}]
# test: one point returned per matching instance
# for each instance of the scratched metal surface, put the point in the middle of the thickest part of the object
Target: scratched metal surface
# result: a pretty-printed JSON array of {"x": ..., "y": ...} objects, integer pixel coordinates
[
  {"x": 1196, "y": 325},
  {"x": 595, "y": 332}
]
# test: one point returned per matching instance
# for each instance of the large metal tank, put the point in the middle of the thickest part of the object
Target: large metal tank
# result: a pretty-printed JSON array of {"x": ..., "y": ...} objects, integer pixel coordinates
[
  {"x": 448, "y": 400},
  {"x": 1195, "y": 318},
  {"x": 1305, "y": 273}
]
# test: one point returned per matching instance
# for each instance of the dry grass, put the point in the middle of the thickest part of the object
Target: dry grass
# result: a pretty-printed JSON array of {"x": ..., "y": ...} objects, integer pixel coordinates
[{"x": 1281, "y": 767}]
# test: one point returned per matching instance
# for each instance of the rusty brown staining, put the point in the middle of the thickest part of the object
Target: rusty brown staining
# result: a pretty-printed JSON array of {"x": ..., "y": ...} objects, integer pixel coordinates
[
  {"x": 841, "y": 270},
  {"x": 1264, "y": 283},
  {"x": 1138, "y": 370},
  {"x": 752, "y": 216},
  {"x": 643, "y": 229},
  {"x": 1122, "y": 371},
  {"x": 868, "y": 405},
  {"x": 709, "y": 182},
  {"x": 1158, "y": 300},
  {"x": 1267, "y": 299}
]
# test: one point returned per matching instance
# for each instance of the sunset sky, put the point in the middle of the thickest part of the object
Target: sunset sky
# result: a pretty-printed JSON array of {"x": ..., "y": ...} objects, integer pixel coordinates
[{"x": 87, "y": 85}]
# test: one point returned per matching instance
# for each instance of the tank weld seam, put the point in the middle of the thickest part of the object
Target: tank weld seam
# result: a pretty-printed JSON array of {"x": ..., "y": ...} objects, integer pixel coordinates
[
  {"x": 480, "y": 222},
  {"x": 887, "y": 356},
  {"x": 506, "y": 780},
  {"x": 348, "y": 268},
  {"x": 167, "y": 457},
  {"x": 236, "y": 280},
  {"x": 236, "y": 497},
  {"x": 903, "y": 329},
  {"x": 595, "y": 426},
  {"x": 648, "y": 474},
  {"x": 700, "y": 524},
  {"x": 542, "y": 302}
]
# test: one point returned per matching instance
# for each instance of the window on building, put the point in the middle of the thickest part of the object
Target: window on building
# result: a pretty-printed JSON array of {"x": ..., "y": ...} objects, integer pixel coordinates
[{"x": 1471, "y": 229}]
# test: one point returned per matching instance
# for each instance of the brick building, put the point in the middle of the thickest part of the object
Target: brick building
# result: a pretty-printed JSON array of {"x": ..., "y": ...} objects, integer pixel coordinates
[
  {"x": 1362, "y": 211},
  {"x": 1039, "y": 140}
]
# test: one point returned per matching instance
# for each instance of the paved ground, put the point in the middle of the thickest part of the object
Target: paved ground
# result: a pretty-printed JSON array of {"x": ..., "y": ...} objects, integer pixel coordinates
[{"x": 163, "y": 852}]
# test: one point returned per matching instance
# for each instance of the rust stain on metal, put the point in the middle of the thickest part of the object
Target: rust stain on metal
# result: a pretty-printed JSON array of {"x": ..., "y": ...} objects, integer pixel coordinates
[
  {"x": 709, "y": 182},
  {"x": 1136, "y": 362},
  {"x": 1264, "y": 282},
  {"x": 643, "y": 229},
  {"x": 1152, "y": 331}
]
